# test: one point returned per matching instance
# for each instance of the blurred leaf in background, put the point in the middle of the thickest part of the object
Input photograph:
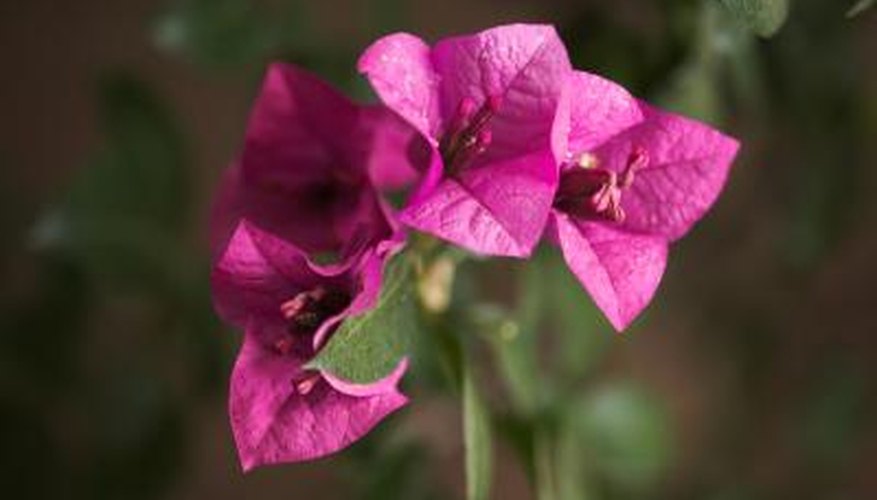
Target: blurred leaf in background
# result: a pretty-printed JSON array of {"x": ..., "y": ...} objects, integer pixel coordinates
[
  {"x": 637, "y": 51},
  {"x": 554, "y": 338},
  {"x": 693, "y": 88},
  {"x": 763, "y": 17},
  {"x": 40, "y": 335},
  {"x": 119, "y": 307},
  {"x": 812, "y": 87},
  {"x": 624, "y": 435},
  {"x": 396, "y": 470},
  {"x": 860, "y": 7},
  {"x": 224, "y": 34},
  {"x": 835, "y": 409},
  {"x": 138, "y": 431},
  {"x": 124, "y": 216}
]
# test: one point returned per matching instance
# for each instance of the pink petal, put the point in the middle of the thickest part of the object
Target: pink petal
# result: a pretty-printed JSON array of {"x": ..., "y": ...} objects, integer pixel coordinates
[
  {"x": 395, "y": 155},
  {"x": 258, "y": 271},
  {"x": 599, "y": 110},
  {"x": 280, "y": 207},
  {"x": 273, "y": 423},
  {"x": 526, "y": 65},
  {"x": 298, "y": 123},
  {"x": 245, "y": 283},
  {"x": 499, "y": 203},
  {"x": 304, "y": 170},
  {"x": 399, "y": 68},
  {"x": 298, "y": 110},
  {"x": 432, "y": 177},
  {"x": 500, "y": 210},
  {"x": 688, "y": 165},
  {"x": 292, "y": 262},
  {"x": 370, "y": 281},
  {"x": 620, "y": 270}
]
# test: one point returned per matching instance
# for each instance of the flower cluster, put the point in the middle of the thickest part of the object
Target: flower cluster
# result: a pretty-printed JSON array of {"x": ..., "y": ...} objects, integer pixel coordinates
[{"x": 504, "y": 143}]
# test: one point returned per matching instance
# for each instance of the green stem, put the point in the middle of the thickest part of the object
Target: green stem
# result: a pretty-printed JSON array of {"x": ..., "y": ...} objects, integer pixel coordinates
[
  {"x": 476, "y": 438},
  {"x": 543, "y": 458}
]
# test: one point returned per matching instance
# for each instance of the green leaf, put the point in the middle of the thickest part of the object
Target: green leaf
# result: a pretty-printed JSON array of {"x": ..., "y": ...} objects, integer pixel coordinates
[
  {"x": 477, "y": 440},
  {"x": 368, "y": 347},
  {"x": 763, "y": 17}
]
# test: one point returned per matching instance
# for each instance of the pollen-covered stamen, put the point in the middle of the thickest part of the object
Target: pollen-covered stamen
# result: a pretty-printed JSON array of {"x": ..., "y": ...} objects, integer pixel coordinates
[
  {"x": 485, "y": 113},
  {"x": 606, "y": 195},
  {"x": 474, "y": 147},
  {"x": 462, "y": 117},
  {"x": 305, "y": 383},
  {"x": 483, "y": 140},
  {"x": 468, "y": 134},
  {"x": 589, "y": 191},
  {"x": 306, "y": 311},
  {"x": 637, "y": 160},
  {"x": 588, "y": 160}
]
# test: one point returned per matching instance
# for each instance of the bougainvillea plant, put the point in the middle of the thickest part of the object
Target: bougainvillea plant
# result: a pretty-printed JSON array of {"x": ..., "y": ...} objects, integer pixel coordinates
[{"x": 501, "y": 144}]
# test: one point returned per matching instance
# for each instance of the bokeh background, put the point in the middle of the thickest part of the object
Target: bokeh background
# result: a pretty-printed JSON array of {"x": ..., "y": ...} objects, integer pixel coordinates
[{"x": 752, "y": 376}]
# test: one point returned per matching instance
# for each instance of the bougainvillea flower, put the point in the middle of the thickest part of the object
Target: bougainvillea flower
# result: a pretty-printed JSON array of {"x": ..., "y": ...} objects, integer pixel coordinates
[
  {"x": 288, "y": 307},
  {"x": 488, "y": 104},
  {"x": 309, "y": 164},
  {"x": 635, "y": 179}
]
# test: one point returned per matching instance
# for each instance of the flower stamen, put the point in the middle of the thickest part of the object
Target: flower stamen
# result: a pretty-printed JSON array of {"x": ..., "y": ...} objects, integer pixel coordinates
[
  {"x": 305, "y": 384},
  {"x": 304, "y": 313},
  {"x": 307, "y": 310},
  {"x": 468, "y": 134},
  {"x": 592, "y": 192}
]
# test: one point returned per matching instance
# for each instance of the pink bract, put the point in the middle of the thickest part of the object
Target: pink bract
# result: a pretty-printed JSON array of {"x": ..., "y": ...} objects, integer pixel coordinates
[
  {"x": 492, "y": 106},
  {"x": 636, "y": 178},
  {"x": 288, "y": 306},
  {"x": 309, "y": 166}
]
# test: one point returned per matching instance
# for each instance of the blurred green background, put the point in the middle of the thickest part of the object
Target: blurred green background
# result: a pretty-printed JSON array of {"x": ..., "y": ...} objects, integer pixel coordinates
[{"x": 752, "y": 376}]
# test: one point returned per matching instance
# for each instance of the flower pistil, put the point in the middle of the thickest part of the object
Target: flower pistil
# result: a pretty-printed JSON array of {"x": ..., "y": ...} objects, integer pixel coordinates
[
  {"x": 304, "y": 313},
  {"x": 468, "y": 133},
  {"x": 592, "y": 192}
]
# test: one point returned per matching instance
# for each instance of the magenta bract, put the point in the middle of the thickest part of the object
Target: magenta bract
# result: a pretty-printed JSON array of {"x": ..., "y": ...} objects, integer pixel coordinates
[
  {"x": 304, "y": 184},
  {"x": 492, "y": 106},
  {"x": 288, "y": 306},
  {"x": 309, "y": 166},
  {"x": 503, "y": 140},
  {"x": 635, "y": 178}
]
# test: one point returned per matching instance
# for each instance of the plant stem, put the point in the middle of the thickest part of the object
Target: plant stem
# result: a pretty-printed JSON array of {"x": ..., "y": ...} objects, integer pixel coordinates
[{"x": 543, "y": 458}]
